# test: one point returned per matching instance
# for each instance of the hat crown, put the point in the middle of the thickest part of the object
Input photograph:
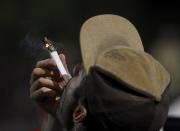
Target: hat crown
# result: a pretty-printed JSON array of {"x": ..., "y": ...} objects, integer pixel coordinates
[{"x": 136, "y": 69}]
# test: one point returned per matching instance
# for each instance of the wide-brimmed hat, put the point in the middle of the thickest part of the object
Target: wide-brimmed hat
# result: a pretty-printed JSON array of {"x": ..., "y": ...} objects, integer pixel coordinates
[
  {"x": 123, "y": 87},
  {"x": 113, "y": 44}
]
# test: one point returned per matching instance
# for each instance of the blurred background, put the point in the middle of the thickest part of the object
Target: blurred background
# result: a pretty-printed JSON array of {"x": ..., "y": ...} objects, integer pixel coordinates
[{"x": 23, "y": 23}]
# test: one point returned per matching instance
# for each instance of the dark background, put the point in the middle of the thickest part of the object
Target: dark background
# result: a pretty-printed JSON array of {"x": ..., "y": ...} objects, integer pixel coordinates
[{"x": 23, "y": 23}]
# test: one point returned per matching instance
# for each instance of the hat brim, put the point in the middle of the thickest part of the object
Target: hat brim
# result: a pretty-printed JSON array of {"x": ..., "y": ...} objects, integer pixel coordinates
[{"x": 104, "y": 31}]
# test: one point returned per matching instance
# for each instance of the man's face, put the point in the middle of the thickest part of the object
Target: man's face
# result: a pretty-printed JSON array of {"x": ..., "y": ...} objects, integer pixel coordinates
[{"x": 72, "y": 110}]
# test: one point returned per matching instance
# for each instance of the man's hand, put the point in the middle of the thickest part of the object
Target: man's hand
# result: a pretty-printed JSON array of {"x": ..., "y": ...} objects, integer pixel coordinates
[{"x": 47, "y": 84}]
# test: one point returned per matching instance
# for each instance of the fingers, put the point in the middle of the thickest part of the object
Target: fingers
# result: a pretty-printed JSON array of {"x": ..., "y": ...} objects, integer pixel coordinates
[
  {"x": 47, "y": 63},
  {"x": 50, "y": 62},
  {"x": 47, "y": 84},
  {"x": 44, "y": 82},
  {"x": 42, "y": 93},
  {"x": 47, "y": 68},
  {"x": 44, "y": 88},
  {"x": 41, "y": 72}
]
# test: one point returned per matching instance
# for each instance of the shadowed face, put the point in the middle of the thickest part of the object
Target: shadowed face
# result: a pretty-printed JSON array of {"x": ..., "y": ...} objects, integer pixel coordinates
[
  {"x": 71, "y": 110},
  {"x": 109, "y": 105}
]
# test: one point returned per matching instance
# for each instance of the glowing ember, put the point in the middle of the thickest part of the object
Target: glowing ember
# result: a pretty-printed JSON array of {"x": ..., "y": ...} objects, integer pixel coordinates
[
  {"x": 54, "y": 55},
  {"x": 48, "y": 44}
]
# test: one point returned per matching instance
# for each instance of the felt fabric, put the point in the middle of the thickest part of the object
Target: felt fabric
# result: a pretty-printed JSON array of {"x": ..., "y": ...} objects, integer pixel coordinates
[{"x": 114, "y": 107}]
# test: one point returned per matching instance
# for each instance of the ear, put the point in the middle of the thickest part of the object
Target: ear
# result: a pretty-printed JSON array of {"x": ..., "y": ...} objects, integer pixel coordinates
[{"x": 79, "y": 114}]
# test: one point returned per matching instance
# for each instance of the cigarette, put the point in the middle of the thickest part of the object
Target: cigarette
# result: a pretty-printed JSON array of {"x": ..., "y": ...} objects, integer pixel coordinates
[{"x": 54, "y": 55}]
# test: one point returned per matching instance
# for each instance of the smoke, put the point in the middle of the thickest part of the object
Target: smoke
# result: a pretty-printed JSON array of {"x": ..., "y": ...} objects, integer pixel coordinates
[{"x": 32, "y": 46}]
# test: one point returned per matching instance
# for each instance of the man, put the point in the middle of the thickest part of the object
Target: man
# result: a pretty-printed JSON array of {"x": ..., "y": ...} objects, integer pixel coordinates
[{"x": 119, "y": 87}]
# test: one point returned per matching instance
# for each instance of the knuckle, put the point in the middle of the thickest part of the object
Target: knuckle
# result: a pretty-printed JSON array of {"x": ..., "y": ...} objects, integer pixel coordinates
[
  {"x": 41, "y": 80},
  {"x": 45, "y": 90},
  {"x": 35, "y": 71},
  {"x": 42, "y": 89}
]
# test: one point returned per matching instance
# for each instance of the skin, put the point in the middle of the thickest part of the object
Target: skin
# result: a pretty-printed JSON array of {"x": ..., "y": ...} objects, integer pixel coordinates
[{"x": 46, "y": 84}]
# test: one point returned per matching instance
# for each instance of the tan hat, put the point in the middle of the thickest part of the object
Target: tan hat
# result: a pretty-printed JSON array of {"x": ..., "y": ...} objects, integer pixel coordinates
[{"x": 113, "y": 44}]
